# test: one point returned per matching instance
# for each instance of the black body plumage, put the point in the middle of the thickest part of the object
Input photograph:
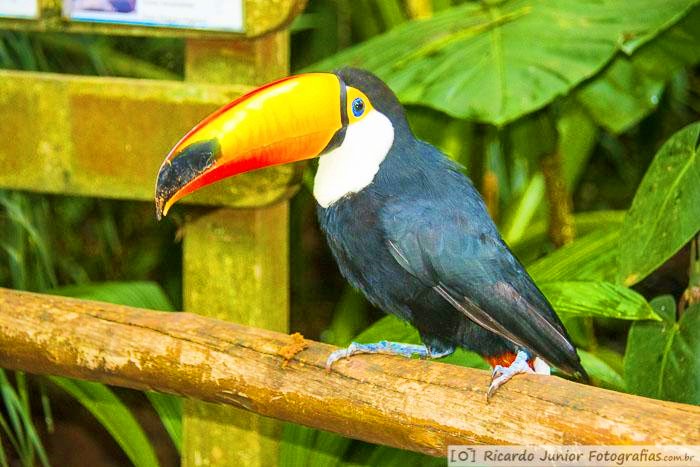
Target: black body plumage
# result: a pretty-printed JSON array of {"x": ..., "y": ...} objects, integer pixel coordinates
[{"x": 419, "y": 243}]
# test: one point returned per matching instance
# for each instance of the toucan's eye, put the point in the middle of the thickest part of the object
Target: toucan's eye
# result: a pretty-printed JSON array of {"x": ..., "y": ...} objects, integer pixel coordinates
[{"x": 358, "y": 106}]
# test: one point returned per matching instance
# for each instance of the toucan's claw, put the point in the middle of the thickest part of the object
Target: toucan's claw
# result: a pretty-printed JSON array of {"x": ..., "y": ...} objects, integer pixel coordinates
[
  {"x": 502, "y": 375},
  {"x": 387, "y": 348}
]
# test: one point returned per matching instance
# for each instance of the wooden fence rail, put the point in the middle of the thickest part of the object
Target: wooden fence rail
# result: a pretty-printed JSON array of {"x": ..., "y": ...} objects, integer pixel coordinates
[{"x": 411, "y": 404}]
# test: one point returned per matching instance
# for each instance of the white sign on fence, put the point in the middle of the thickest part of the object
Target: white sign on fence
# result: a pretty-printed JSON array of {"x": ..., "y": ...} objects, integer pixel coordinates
[
  {"x": 19, "y": 8},
  {"x": 219, "y": 15}
]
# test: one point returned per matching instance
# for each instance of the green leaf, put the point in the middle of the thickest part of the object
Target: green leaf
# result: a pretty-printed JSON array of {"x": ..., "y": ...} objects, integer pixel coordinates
[
  {"x": 466, "y": 358},
  {"x": 389, "y": 328},
  {"x": 349, "y": 317},
  {"x": 169, "y": 409},
  {"x": 452, "y": 136},
  {"x": 20, "y": 431},
  {"x": 391, "y": 13},
  {"x": 306, "y": 446},
  {"x": 665, "y": 213},
  {"x": 521, "y": 186},
  {"x": 137, "y": 294},
  {"x": 662, "y": 359},
  {"x": 523, "y": 210},
  {"x": 631, "y": 87},
  {"x": 597, "y": 299},
  {"x": 496, "y": 61},
  {"x": 385, "y": 456},
  {"x": 328, "y": 449},
  {"x": 590, "y": 257},
  {"x": 603, "y": 375},
  {"x": 580, "y": 330},
  {"x": 578, "y": 136},
  {"x": 621, "y": 96},
  {"x": 676, "y": 48},
  {"x": 3, "y": 457},
  {"x": 297, "y": 445},
  {"x": 114, "y": 416},
  {"x": 10, "y": 433},
  {"x": 612, "y": 358},
  {"x": 536, "y": 236}
]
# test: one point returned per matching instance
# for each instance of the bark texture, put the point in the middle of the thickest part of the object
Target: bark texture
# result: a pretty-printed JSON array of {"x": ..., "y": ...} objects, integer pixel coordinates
[{"x": 411, "y": 404}]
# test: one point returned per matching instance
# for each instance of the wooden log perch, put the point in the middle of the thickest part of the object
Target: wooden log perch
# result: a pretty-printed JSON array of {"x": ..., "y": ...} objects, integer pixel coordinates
[{"x": 412, "y": 404}]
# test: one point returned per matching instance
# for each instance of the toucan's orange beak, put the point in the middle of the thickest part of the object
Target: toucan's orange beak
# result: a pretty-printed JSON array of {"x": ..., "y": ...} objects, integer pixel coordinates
[{"x": 289, "y": 120}]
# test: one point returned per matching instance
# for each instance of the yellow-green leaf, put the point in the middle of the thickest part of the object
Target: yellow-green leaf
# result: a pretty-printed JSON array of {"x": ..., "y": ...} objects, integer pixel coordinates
[
  {"x": 665, "y": 212},
  {"x": 114, "y": 416},
  {"x": 597, "y": 299},
  {"x": 662, "y": 359}
]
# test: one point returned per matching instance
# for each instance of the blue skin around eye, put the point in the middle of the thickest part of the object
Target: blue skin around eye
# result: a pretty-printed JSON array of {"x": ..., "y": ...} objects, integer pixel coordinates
[{"x": 358, "y": 107}]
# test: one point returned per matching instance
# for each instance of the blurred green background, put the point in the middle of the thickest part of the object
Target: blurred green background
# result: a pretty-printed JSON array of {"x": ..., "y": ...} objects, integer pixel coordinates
[{"x": 574, "y": 119}]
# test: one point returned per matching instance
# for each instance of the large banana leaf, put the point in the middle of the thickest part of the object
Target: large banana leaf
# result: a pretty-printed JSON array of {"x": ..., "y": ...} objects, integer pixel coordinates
[
  {"x": 665, "y": 212},
  {"x": 494, "y": 61},
  {"x": 631, "y": 87}
]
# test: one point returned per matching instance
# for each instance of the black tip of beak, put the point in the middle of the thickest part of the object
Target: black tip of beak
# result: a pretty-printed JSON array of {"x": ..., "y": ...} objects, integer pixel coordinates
[
  {"x": 175, "y": 173},
  {"x": 160, "y": 205}
]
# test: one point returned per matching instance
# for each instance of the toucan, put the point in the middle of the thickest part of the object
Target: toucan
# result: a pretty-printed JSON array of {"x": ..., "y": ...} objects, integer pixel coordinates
[{"x": 405, "y": 225}]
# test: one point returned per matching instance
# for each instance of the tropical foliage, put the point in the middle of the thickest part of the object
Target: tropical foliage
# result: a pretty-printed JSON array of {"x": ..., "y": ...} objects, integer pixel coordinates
[{"x": 575, "y": 118}]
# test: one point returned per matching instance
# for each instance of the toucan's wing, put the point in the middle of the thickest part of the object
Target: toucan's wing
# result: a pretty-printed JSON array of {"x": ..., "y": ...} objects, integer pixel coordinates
[{"x": 460, "y": 255}]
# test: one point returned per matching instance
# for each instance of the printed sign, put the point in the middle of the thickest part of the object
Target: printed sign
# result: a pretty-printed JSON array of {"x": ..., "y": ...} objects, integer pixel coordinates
[
  {"x": 19, "y": 8},
  {"x": 220, "y": 15}
]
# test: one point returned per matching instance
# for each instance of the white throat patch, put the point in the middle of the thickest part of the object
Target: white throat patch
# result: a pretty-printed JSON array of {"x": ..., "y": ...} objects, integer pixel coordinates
[{"x": 352, "y": 166}]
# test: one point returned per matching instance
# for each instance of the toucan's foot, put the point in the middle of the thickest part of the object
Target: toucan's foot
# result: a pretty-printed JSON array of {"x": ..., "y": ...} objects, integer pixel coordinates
[
  {"x": 502, "y": 374},
  {"x": 388, "y": 348}
]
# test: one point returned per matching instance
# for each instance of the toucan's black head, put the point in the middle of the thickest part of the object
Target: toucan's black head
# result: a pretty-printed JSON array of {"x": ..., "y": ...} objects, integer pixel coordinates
[{"x": 382, "y": 97}]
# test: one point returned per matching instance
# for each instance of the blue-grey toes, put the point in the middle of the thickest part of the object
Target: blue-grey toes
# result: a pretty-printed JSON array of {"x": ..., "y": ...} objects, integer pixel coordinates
[{"x": 387, "y": 348}]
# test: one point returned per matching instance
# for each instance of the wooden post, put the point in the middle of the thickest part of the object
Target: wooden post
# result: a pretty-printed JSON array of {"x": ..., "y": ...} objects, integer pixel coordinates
[{"x": 236, "y": 265}]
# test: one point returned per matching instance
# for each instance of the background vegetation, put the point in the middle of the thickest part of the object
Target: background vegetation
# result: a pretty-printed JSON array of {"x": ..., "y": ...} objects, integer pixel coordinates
[{"x": 575, "y": 120}]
